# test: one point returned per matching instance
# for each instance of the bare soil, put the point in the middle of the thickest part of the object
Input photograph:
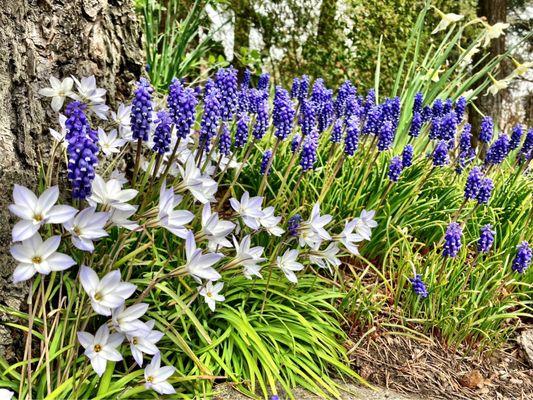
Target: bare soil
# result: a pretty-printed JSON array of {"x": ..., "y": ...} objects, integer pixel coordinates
[{"x": 430, "y": 370}]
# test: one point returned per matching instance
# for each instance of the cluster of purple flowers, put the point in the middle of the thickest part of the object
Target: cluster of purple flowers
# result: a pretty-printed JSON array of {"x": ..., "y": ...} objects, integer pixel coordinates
[
  {"x": 224, "y": 144},
  {"x": 351, "y": 140},
  {"x": 283, "y": 114},
  {"x": 210, "y": 118},
  {"x": 486, "y": 239},
  {"x": 523, "y": 258},
  {"x": 395, "y": 168},
  {"x": 308, "y": 155},
  {"x": 82, "y": 150},
  {"x": 452, "y": 240},
  {"x": 498, "y": 150},
  {"x": 267, "y": 156},
  {"x": 182, "y": 107},
  {"x": 419, "y": 287},
  {"x": 242, "y": 131},
  {"x": 162, "y": 133},
  {"x": 141, "y": 110},
  {"x": 293, "y": 224}
]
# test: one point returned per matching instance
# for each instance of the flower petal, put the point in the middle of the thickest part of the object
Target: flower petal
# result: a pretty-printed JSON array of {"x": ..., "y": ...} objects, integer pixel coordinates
[
  {"x": 61, "y": 214},
  {"x": 24, "y": 230},
  {"x": 23, "y": 272}
]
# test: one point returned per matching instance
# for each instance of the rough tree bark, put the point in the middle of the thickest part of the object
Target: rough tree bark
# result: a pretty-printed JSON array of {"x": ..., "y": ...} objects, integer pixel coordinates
[
  {"x": 494, "y": 11},
  {"x": 39, "y": 38}
]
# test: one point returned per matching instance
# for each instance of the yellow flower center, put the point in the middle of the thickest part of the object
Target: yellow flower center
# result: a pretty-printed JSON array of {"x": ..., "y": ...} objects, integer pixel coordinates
[
  {"x": 36, "y": 260},
  {"x": 97, "y": 348},
  {"x": 135, "y": 341},
  {"x": 38, "y": 217},
  {"x": 77, "y": 230},
  {"x": 150, "y": 379},
  {"x": 98, "y": 296},
  {"x": 209, "y": 294}
]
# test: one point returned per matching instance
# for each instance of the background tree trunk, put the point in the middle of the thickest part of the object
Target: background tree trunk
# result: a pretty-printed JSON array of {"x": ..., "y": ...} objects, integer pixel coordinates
[
  {"x": 39, "y": 38},
  {"x": 494, "y": 11}
]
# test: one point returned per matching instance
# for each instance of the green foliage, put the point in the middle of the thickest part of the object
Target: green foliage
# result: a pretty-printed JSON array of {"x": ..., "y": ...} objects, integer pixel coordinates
[{"x": 172, "y": 43}]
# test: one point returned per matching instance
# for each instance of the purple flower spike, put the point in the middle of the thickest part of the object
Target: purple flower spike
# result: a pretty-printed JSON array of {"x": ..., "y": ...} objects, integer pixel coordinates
[
  {"x": 419, "y": 287},
  {"x": 351, "y": 141},
  {"x": 293, "y": 224},
  {"x": 407, "y": 156},
  {"x": 210, "y": 117},
  {"x": 264, "y": 81},
  {"x": 516, "y": 137},
  {"x": 283, "y": 113},
  {"x": 395, "y": 169},
  {"x": 162, "y": 133},
  {"x": 141, "y": 110},
  {"x": 487, "y": 128},
  {"x": 440, "y": 154},
  {"x": 448, "y": 126},
  {"x": 336, "y": 132},
  {"x": 460, "y": 107},
  {"x": 82, "y": 150},
  {"x": 241, "y": 132},
  {"x": 416, "y": 125},
  {"x": 498, "y": 151},
  {"x": 528, "y": 144},
  {"x": 473, "y": 183},
  {"x": 485, "y": 191},
  {"x": 437, "y": 109},
  {"x": 304, "y": 87},
  {"x": 259, "y": 107},
  {"x": 182, "y": 106},
  {"x": 267, "y": 155},
  {"x": 452, "y": 240},
  {"x": 307, "y": 117},
  {"x": 308, "y": 155},
  {"x": 386, "y": 136},
  {"x": 295, "y": 88},
  {"x": 486, "y": 239},
  {"x": 224, "y": 143},
  {"x": 227, "y": 83},
  {"x": 523, "y": 258},
  {"x": 418, "y": 102}
]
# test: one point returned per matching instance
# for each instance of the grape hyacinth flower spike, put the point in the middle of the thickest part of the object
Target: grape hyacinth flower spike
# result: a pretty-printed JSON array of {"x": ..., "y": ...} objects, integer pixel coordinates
[
  {"x": 523, "y": 258},
  {"x": 486, "y": 239},
  {"x": 141, "y": 111},
  {"x": 419, "y": 287},
  {"x": 407, "y": 156},
  {"x": 452, "y": 240},
  {"x": 395, "y": 168},
  {"x": 487, "y": 128}
]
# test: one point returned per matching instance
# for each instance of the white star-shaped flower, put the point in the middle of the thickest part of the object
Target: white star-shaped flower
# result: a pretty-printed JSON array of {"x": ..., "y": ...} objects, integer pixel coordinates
[
  {"x": 111, "y": 194},
  {"x": 109, "y": 143},
  {"x": 270, "y": 222},
  {"x": 214, "y": 229},
  {"x": 199, "y": 265},
  {"x": 202, "y": 187},
  {"x": 34, "y": 256},
  {"x": 88, "y": 92},
  {"x": 326, "y": 258},
  {"x": 349, "y": 238},
  {"x": 58, "y": 91},
  {"x": 312, "y": 232},
  {"x": 211, "y": 294},
  {"x": 36, "y": 212},
  {"x": 288, "y": 264},
  {"x": 170, "y": 219},
  {"x": 249, "y": 209},
  {"x": 247, "y": 256},
  {"x": 156, "y": 376},
  {"x": 101, "y": 348},
  {"x": 86, "y": 226},
  {"x": 126, "y": 320},
  {"x": 143, "y": 341},
  {"x": 122, "y": 119},
  {"x": 106, "y": 294},
  {"x": 59, "y": 136}
]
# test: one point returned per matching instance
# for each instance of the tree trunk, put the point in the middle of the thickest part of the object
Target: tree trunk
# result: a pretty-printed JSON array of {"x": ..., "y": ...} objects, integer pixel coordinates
[
  {"x": 494, "y": 11},
  {"x": 39, "y": 38}
]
